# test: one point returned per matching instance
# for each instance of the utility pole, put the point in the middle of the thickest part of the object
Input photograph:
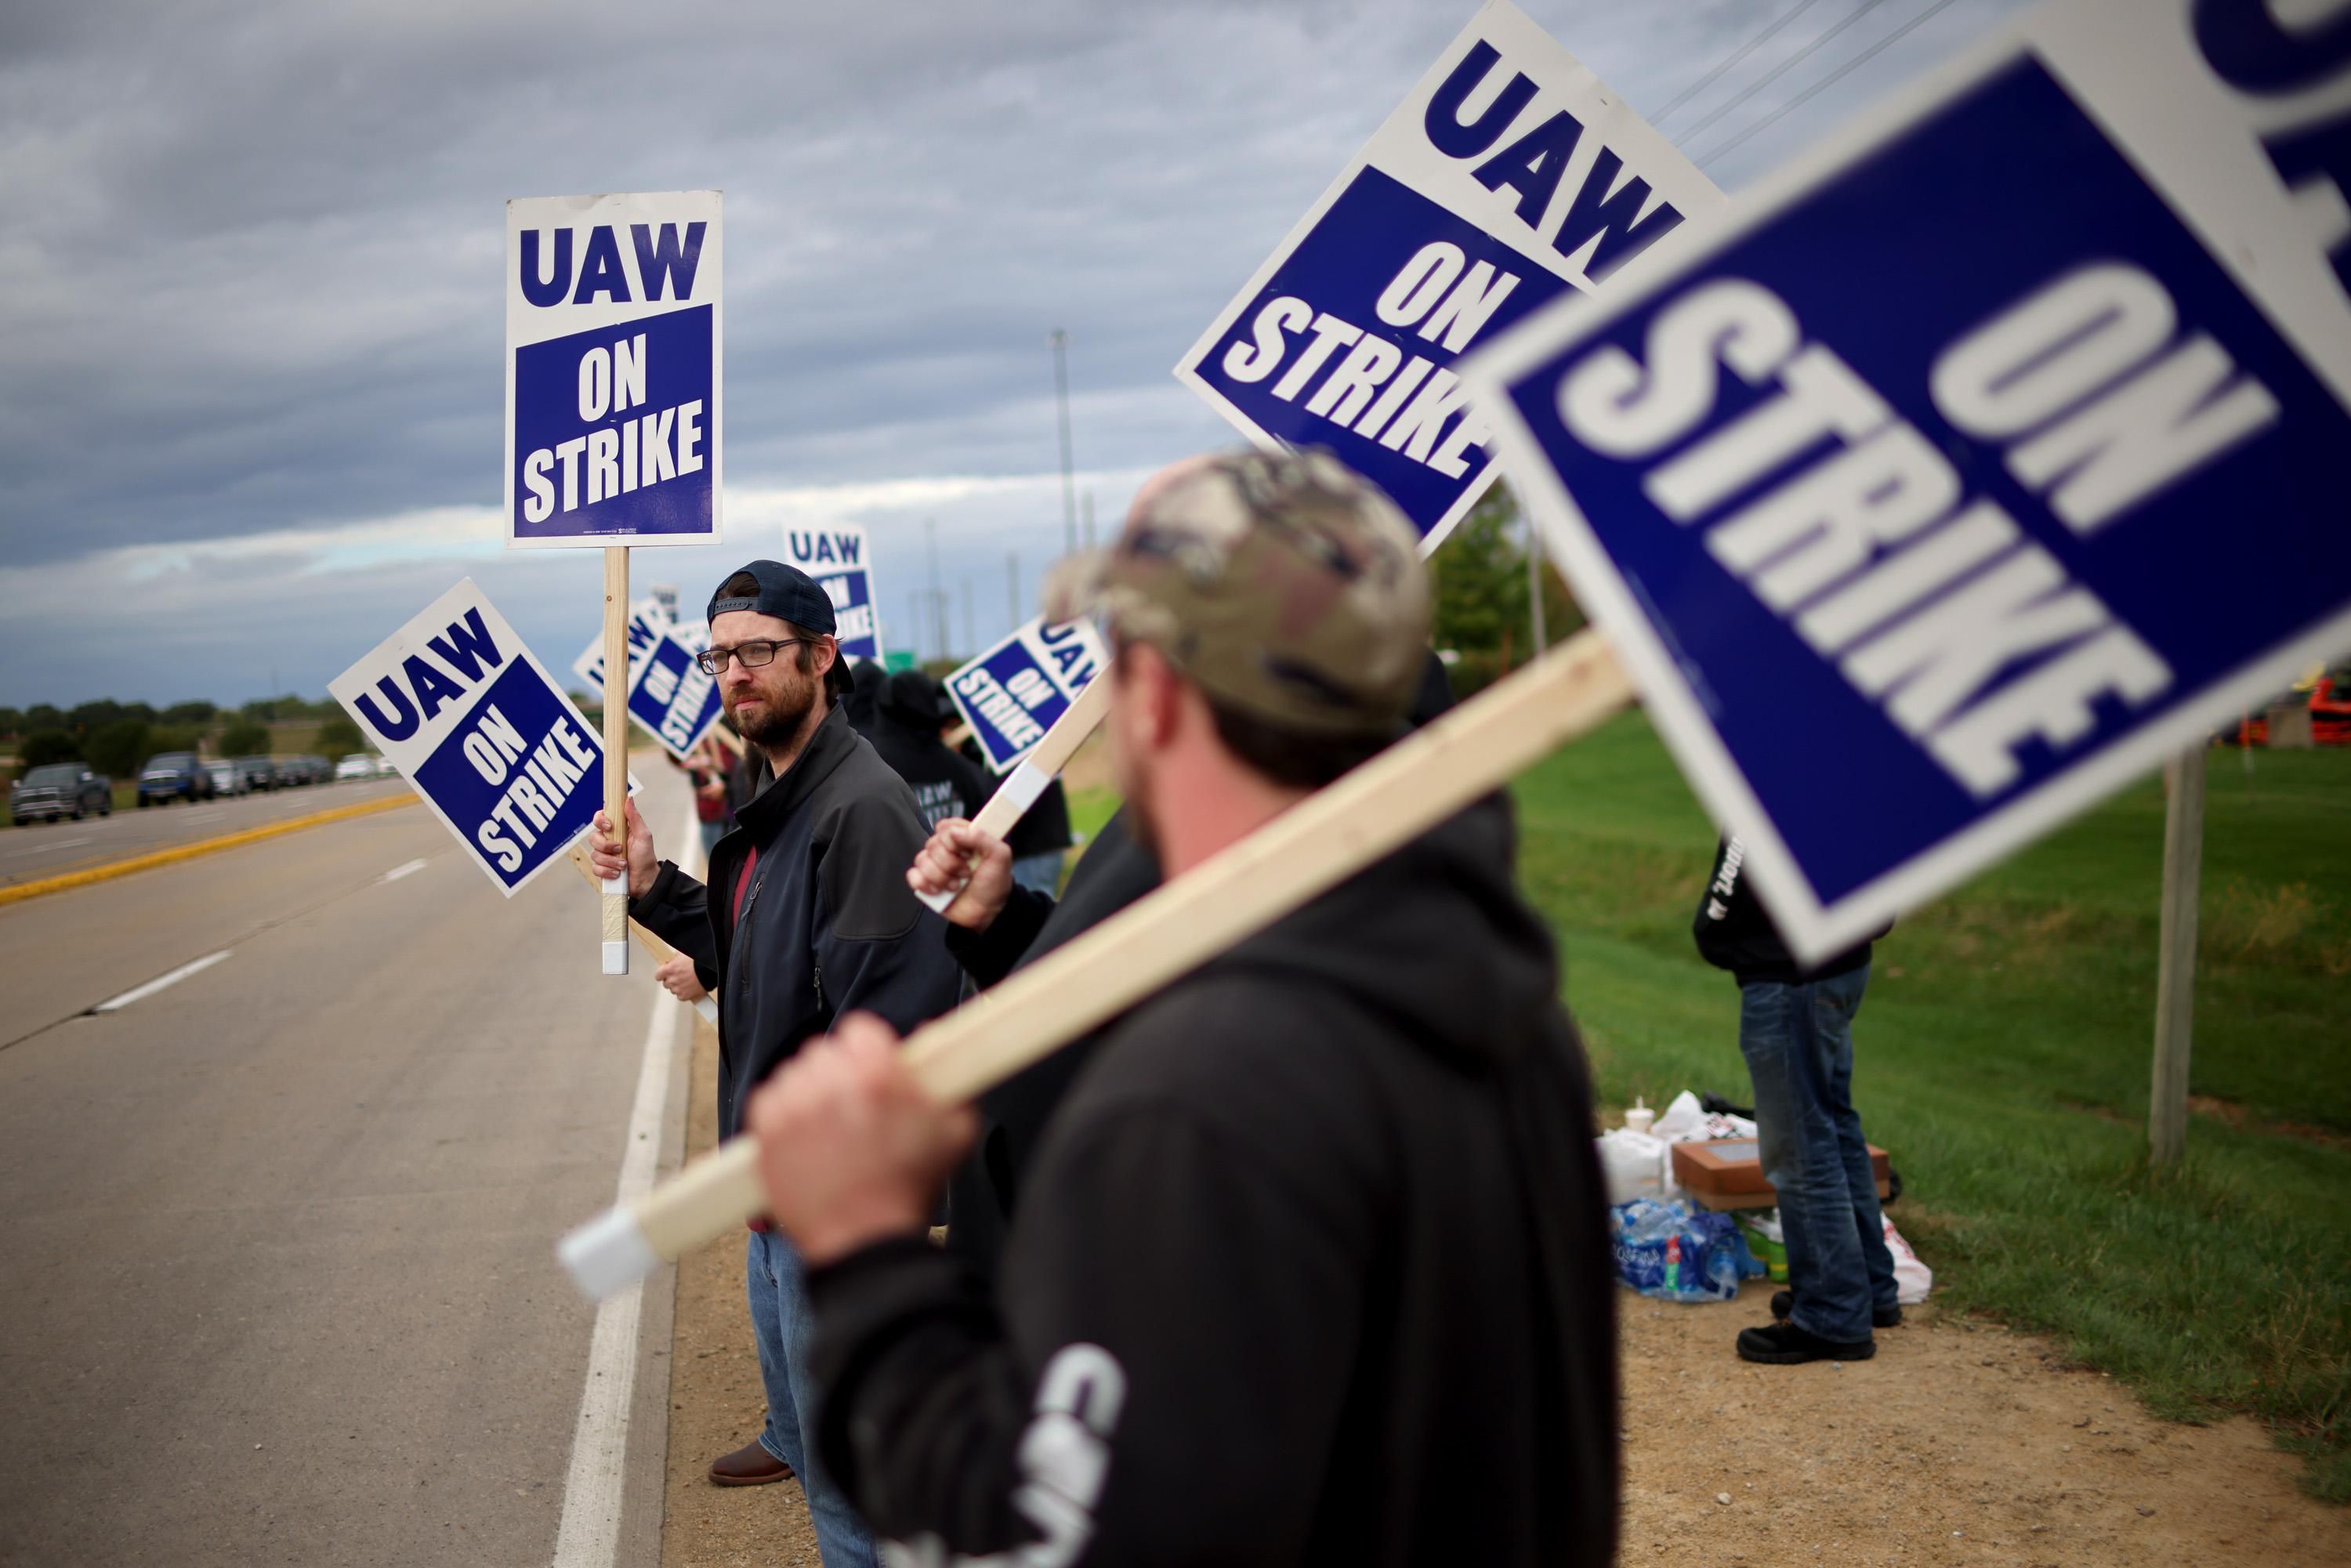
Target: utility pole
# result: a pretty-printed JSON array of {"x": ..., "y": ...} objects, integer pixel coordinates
[
  {"x": 1060, "y": 341},
  {"x": 2175, "y": 984},
  {"x": 1012, "y": 585},
  {"x": 1090, "y": 519},
  {"x": 970, "y": 628},
  {"x": 1535, "y": 587},
  {"x": 938, "y": 600}
]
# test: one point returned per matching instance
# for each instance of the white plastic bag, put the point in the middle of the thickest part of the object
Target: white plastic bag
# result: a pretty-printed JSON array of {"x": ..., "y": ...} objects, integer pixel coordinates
[
  {"x": 1912, "y": 1279},
  {"x": 1680, "y": 1120},
  {"x": 1632, "y": 1163}
]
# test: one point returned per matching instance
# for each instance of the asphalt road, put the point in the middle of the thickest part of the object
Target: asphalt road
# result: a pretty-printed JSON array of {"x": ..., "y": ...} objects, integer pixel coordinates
[
  {"x": 33, "y": 851},
  {"x": 276, "y": 1281}
]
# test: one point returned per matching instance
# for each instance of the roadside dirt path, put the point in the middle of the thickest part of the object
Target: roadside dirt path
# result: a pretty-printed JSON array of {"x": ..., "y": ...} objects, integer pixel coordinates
[{"x": 1959, "y": 1444}]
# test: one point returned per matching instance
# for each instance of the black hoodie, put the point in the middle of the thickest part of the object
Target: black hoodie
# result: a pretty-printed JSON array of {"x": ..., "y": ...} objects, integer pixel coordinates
[
  {"x": 1735, "y": 932},
  {"x": 1113, "y": 872},
  {"x": 1311, "y": 1267},
  {"x": 905, "y": 733}
]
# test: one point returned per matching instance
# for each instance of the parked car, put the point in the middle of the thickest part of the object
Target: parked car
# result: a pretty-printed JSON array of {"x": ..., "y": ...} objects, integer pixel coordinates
[
  {"x": 226, "y": 780},
  {"x": 295, "y": 770},
  {"x": 174, "y": 776},
  {"x": 384, "y": 769},
  {"x": 259, "y": 772},
  {"x": 321, "y": 770},
  {"x": 60, "y": 789},
  {"x": 358, "y": 765}
]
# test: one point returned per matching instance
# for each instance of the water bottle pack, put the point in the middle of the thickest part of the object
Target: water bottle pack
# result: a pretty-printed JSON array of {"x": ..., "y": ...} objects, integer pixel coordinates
[{"x": 1677, "y": 1251}]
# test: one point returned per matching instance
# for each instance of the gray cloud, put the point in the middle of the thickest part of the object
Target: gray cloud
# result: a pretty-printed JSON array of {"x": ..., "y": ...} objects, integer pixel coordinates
[{"x": 251, "y": 279}]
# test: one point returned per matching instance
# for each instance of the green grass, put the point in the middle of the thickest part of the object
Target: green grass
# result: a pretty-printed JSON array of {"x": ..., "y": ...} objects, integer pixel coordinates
[
  {"x": 1089, "y": 809},
  {"x": 2003, "y": 1057}
]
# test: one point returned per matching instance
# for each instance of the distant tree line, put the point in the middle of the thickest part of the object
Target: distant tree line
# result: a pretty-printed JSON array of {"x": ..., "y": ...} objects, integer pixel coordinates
[
  {"x": 1480, "y": 614},
  {"x": 116, "y": 737}
]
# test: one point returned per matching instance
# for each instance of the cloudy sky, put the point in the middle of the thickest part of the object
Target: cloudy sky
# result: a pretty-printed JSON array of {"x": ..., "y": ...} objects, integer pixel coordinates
[{"x": 250, "y": 281}]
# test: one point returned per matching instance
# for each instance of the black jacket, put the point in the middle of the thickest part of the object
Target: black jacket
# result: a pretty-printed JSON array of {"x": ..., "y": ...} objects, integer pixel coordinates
[
  {"x": 827, "y": 922},
  {"x": 1734, "y": 931},
  {"x": 1113, "y": 872},
  {"x": 1311, "y": 1268}
]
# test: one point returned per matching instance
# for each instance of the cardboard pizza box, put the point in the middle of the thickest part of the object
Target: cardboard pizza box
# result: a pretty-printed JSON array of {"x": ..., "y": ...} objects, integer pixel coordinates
[{"x": 1724, "y": 1174}]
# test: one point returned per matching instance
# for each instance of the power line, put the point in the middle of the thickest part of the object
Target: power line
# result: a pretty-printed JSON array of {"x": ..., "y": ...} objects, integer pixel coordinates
[
  {"x": 1728, "y": 60},
  {"x": 1829, "y": 81},
  {"x": 1783, "y": 68}
]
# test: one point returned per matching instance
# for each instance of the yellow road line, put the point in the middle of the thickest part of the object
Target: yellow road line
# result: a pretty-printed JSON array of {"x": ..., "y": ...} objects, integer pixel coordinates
[{"x": 108, "y": 872}]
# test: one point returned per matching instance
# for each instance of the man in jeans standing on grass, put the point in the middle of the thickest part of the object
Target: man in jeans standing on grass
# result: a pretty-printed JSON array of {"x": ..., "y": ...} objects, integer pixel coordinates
[{"x": 1795, "y": 1030}]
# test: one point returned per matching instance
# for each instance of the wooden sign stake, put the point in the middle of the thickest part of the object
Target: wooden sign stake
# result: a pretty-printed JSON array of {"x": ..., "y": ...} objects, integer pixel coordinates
[
  {"x": 1326, "y": 838},
  {"x": 1037, "y": 771},
  {"x": 616, "y": 751},
  {"x": 661, "y": 951}
]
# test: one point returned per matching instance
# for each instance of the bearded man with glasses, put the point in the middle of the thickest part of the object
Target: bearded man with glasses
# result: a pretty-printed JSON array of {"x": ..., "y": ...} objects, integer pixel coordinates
[{"x": 805, "y": 917}]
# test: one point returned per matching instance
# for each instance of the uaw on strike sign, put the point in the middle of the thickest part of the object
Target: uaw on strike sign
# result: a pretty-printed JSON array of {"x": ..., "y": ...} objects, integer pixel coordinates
[
  {"x": 1016, "y": 691},
  {"x": 1509, "y": 176},
  {"x": 836, "y": 559},
  {"x": 482, "y": 732},
  {"x": 669, "y": 696},
  {"x": 1981, "y": 459},
  {"x": 613, "y": 369}
]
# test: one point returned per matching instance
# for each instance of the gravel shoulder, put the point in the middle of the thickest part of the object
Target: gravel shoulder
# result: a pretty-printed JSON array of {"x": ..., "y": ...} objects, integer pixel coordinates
[{"x": 1958, "y": 1443}]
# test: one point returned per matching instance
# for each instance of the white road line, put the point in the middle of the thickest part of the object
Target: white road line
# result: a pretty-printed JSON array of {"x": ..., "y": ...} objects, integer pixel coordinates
[
  {"x": 204, "y": 816},
  {"x": 141, "y": 993},
  {"x": 52, "y": 844},
  {"x": 406, "y": 868},
  {"x": 590, "y": 1533}
]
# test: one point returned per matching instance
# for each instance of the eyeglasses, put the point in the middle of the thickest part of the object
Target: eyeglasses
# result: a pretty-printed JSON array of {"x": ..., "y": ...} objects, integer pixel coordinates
[{"x": 758, "y": 651}]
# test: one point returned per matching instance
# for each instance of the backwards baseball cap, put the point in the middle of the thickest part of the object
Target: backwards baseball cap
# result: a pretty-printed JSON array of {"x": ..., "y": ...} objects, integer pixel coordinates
[
  {"x": 784, "y": 592},
  {"x": 1286, "y": 585}
]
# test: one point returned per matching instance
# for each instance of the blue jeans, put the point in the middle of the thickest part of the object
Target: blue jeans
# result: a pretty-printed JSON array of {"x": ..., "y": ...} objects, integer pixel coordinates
[
  {"x": 782, "y": 1320},
  {"x": 1798, "y": 1041},
  {"x": 1041, "y": 873}
]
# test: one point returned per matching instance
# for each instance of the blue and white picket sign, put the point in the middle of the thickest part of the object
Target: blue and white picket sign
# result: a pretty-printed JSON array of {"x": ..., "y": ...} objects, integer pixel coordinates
[
  {"x": 1012, "y": 693},
  {"x": 647, "y": 619},
  {"x": 1979, "y": 461},
  {"x": 669, "y": 696},
  {"x": 837, "y": 557},
  {"x": 614, "y": 369},
  {"x": 1509, "y": 176},
  {"x": 480, "y": 730}
]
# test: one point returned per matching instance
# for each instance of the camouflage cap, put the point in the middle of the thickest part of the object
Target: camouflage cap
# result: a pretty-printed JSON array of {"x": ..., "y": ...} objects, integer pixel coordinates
[{"x": 1288, "y": 587}]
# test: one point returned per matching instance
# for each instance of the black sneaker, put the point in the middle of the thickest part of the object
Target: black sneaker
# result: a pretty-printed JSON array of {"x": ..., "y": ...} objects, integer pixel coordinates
[
  {"x": 1785, "y": 1344},
  {"x": 1783, "y": 1304}
]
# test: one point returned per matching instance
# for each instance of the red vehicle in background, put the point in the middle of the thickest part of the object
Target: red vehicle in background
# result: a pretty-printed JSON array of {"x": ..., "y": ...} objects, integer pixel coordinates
[{"x": 2326, "y": 695}]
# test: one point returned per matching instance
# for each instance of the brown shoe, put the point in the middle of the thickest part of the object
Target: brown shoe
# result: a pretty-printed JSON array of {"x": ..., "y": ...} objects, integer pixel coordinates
[{"x": 748, "y": 1466}]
